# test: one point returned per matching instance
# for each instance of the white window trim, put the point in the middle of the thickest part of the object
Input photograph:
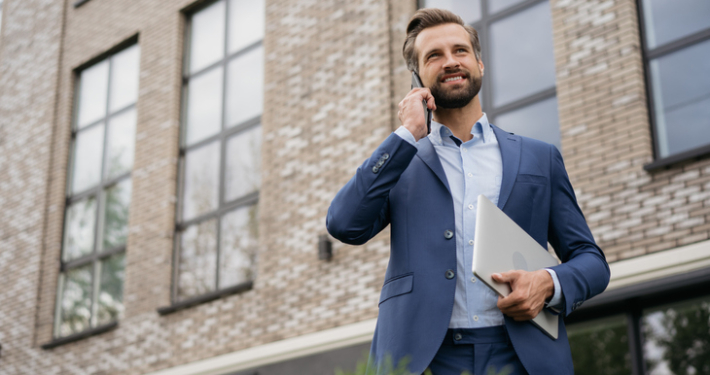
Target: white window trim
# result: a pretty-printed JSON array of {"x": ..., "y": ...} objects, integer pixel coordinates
[{"x": 296, "y": 347}]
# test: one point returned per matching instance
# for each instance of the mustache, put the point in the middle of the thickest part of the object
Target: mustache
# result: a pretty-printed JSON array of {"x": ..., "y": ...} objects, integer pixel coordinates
[{"x": 466, "y": 74}]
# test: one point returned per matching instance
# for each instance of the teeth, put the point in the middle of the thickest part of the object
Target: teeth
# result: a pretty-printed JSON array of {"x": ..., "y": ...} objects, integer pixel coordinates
[{"x": 453, "y": 79}]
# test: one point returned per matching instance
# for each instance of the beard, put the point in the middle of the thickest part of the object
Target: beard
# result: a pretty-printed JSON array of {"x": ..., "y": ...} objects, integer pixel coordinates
[{"x": 455, "y": 97}]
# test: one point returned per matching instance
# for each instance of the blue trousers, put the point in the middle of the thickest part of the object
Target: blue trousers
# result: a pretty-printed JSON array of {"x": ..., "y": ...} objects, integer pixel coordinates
[{"x": 477, "y": 351}]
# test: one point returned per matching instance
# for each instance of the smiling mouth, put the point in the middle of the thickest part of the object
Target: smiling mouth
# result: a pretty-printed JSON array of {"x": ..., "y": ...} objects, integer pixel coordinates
[{"x": 454, "y": 79}]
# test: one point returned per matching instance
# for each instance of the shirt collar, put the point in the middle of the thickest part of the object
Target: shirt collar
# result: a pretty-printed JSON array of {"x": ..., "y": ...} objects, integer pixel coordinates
[{"x": 440, "y": 132}]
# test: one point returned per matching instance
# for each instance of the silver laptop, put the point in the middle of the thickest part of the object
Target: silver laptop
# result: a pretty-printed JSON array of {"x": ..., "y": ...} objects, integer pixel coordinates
[{"x": 501, "y": 246}]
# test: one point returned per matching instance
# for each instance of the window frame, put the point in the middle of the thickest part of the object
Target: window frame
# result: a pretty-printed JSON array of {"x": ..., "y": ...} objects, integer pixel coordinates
[
  {"x": 647, "y": 55},
  {"x": 222, "y": 137},
  {"x": 97, "y": 192},
  {"x": 483, "y": 26}
]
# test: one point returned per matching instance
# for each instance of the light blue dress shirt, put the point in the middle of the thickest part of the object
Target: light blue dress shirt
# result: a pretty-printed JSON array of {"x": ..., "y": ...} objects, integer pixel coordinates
[{"x": 472, "y": 168}]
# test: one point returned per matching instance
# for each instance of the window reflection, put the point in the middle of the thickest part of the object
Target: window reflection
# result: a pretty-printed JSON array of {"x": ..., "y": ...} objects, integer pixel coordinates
[
  {"x": 76, "y": 301},
  {"x": 110, "y": 302},
  {"x": 88, "y": 153},
  {"x": 539, "y": 121},
  {"x": 204, "y": 109},
  {"x": 244, "y": 87},
  {"x": 198, "y": 259},
  {"x": 93, "y": 89},
  {"x": 498, "y": 5},
  {"x": 118, "y": 199},
  {"x": 121, "y": 141},
  {"x": 207, "y": 37},
  {"x": 681, "y": 93},
  {"x": 522, "y": 62},
  {"x": 124, "y": 78},
  {"x": 246, "y": 23},
  {"x": 677, "y": 338},
  {"x": 79, "y": 229},
  {"x": 243, "y": 174},
  {"x": 201, "y": 181},
  {"x": 468, "y": 10},
  {"x": 600, "y": 347},
  {"x": 240, "y": 233},
  {"x": 670, "y": 20}
]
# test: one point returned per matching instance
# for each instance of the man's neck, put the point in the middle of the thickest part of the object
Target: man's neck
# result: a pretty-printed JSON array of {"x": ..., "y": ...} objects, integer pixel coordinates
[{"x": 460, "y": 120}]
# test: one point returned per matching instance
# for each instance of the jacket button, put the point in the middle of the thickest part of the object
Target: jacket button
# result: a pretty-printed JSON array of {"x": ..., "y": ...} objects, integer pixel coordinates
[
  {"x": 375, "y": 169},
  {"x": 448, "y": 234},
  {"x": 450, "y": 274},
  {"x": 385, "y": 156}
]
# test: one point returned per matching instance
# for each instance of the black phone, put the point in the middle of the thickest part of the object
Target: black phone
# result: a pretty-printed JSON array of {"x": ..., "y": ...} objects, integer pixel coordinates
[{"x": 417, "y": 82}]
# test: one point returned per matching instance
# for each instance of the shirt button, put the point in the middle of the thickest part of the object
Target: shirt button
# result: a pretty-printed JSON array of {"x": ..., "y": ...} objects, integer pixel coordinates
[
  {"x": 470, "y": 207},
  {"x": 473, "y": 279},
  {"x": 470, "y": 242},
  {"x": 470, "y": 175},
  {"x": 465, "y": 149},
  {"x": 475, "y": 318}
]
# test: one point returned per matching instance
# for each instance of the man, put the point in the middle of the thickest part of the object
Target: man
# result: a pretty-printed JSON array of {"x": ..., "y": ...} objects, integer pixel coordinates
[{"x": 433, "y": 311}]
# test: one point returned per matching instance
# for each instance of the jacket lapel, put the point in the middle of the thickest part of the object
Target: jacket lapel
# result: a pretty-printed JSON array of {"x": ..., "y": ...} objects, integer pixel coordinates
[
  {"x": 510, "y": 146},
  {"x": 428, "y": 154}
]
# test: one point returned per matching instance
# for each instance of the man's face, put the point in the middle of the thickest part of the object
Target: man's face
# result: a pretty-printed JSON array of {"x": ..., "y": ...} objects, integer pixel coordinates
[{"x": 448, "y": 65}]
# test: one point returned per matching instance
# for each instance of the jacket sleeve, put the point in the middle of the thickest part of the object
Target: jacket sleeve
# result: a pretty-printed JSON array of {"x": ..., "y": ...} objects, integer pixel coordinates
[
  {"x": 360, "y": 210},
  {"x": 584, "y": 271}
]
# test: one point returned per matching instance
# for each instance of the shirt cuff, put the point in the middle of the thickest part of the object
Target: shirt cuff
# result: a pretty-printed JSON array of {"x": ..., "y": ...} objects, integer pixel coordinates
[
  {"x": 405, "y": 134},
  {"x": 555, "y": 302}
]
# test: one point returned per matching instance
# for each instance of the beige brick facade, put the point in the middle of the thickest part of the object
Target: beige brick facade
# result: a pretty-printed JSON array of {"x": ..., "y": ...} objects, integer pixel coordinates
[{"x": 333, "y": 77}]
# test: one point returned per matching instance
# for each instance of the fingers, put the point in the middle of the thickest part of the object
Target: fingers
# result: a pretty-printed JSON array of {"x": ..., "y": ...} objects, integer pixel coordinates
[
  {"x": 528, "y": 294},
  {"x": 411, "y": 111}
]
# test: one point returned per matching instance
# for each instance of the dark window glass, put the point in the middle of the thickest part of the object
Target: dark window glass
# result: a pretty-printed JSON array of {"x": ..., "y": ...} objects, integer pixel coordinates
[
  {"x": 677, "y": 42},
  {"x": 99, "y": 194},
  {"x": 522, "y": 62},
  {"x": 468, "y": 10},
  {"x": 221, "y": 152},
  {"x": 677, "y": 338},
  {"x": 681, "y": 94},
  {"x": 518, "y": 92},
  {"x": 667, "y": 21},
  {"x": 600, "y": 347}
]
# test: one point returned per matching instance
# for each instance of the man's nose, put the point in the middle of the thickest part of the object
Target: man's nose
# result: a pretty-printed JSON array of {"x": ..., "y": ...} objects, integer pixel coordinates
[{"x": 451, "y": 62}]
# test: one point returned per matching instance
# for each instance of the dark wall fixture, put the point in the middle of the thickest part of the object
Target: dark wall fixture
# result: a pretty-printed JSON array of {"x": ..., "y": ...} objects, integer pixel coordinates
[{"x": 325, "y": 248}]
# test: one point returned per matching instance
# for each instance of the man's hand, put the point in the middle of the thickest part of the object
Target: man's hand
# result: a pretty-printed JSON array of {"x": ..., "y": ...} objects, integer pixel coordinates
[
  {"x": 411, "y": 111},
  {"x": 529, "y": 292}
]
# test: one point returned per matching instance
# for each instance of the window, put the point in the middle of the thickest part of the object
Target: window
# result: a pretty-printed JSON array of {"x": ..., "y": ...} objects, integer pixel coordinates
[
  {"x": 676, "y": 39},
  {"x": 518, "y": 92},
  {"x": 99, "y": 195},
  {"x": 220, "y": 154},
  {"x": 658, "y": 328}
]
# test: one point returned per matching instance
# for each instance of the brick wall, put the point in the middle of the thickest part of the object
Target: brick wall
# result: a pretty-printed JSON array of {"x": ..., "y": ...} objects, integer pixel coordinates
[
  {"x": 334, "y": 75},
  {"x": 606, "y": 136}
]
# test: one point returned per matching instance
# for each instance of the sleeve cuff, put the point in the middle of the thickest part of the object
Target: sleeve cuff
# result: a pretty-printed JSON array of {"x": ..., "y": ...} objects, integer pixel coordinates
[
  {"x": 405, "y": 134},
  {"x": 556, "y": 302}
]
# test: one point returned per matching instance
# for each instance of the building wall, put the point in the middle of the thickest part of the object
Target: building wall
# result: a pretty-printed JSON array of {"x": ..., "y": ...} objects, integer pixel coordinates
[{"x": 334, "y": 75}]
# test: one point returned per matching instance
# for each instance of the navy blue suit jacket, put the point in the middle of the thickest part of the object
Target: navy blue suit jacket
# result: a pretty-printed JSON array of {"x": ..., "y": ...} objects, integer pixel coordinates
[{"x": 405, "y": 187}]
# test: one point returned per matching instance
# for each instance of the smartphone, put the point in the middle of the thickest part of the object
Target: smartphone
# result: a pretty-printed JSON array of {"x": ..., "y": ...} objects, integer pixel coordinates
[{"x": 417, "y": 82}]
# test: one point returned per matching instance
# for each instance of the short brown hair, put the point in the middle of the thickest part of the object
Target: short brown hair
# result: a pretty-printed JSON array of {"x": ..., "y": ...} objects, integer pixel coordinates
[{"x": 430, "y": 17}]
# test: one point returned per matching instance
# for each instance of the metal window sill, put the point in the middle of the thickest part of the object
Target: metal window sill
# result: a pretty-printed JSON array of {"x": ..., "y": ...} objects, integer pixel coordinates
[
  {"x": 80, "y": 336},
  {"x": 79, "y": 3},
  {"x": 209, "y": 297},
  {"x": 687, "y": 156}
]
